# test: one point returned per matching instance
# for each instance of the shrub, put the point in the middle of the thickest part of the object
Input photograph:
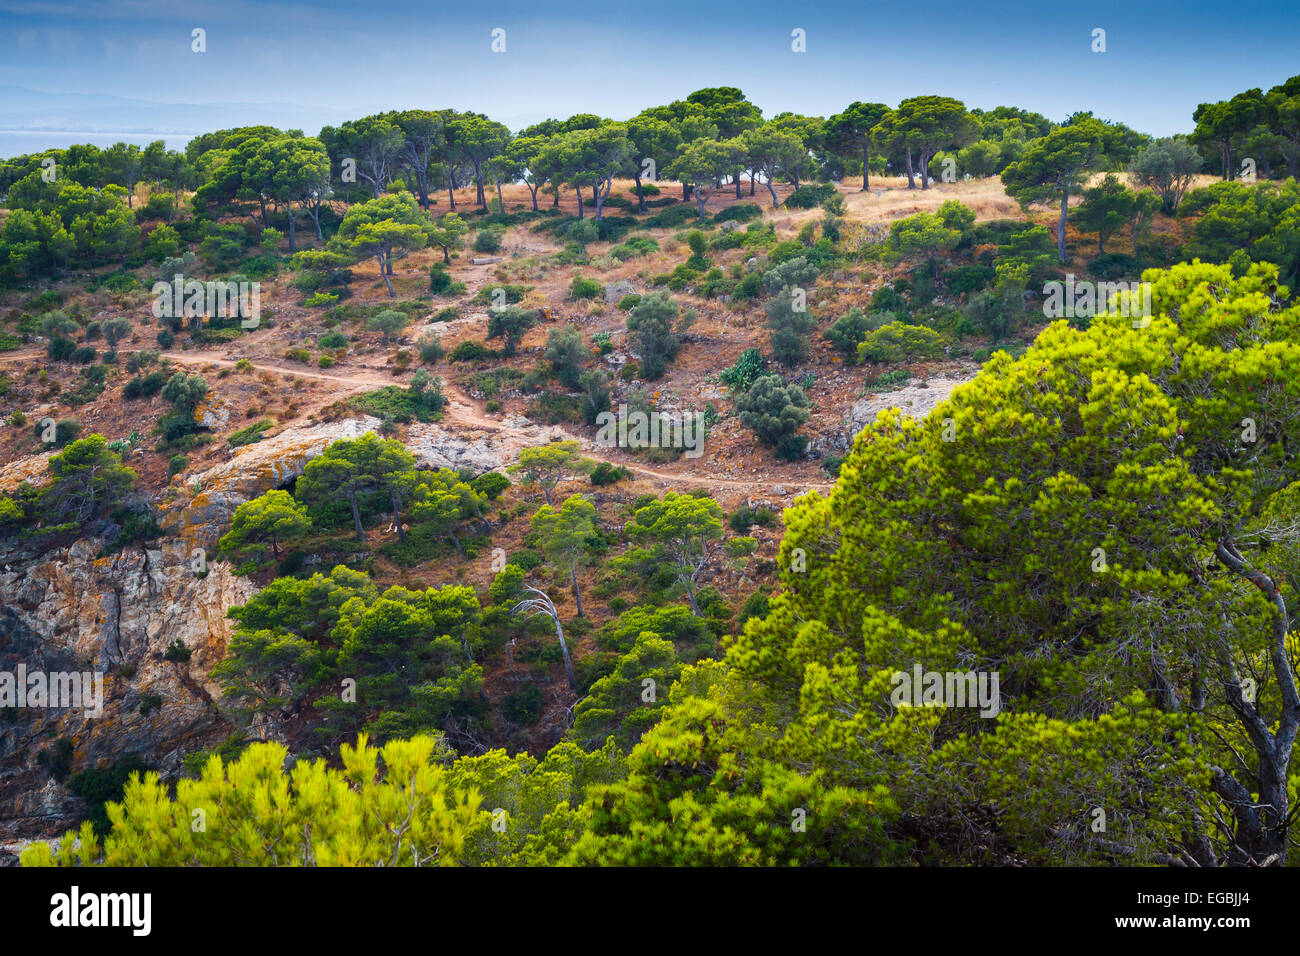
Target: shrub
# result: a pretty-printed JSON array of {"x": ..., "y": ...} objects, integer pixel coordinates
[
  {"x": 898, "y": 342},
  {"x": 582, "y": 288},
  {"x": 747, "y": 369},
  {"x": 489, "y": 239},
  {"x": 632, "y": 247},
  {"x": 492, "y": 294},
  {"x": 399, "y": 404},
  {"x": 260, "y": 268},
  {"x": 388, "y": 323},
  {"x": 775, "y": 411},
  {"x": 439, "y": 279},
  {"x": 566, "y": 354},
  {"x": 1114, "y": 265},
  {"x": 144, "y": 386},
  {"x": 672, "y": 217},
  {"x": 471, "y": 350},
  {"x": 491, "y": 484},
  {"x": 791, "y": 327},
  {"x": 740, "y": 212},
  {"x": 65, "y": 430},
  {"x": 249, "y": 435},
  {"x": 101, "y": 785},
  {"x": 332, "y": 340},
  {"x": 744, "y": 517},
  {"x": 651, "y": 326},
  {"x": 525, "y": 706},
  {"x": 177, "y": 652},
  {"x": 971, "y": 278},
  {"x": 810, "y": 196},
  {"x": 431, "y": 350},
  {"x": 847, "y": 331},
  {"x": 554, "y": 408},
  {"x": 510, "y": 324},
  {"x": 606, "y": 474}
]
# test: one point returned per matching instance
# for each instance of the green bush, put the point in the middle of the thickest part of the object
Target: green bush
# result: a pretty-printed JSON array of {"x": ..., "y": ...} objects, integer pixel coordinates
[
  {"x": 1114, "y": 265},
  {"x": 606, "y": 474},
  {"x": 525, "y": 706},
  {"x": 740, "y": 212},
  {"x": 582, "y": 288},
  {"x": 439, "y": 278},
  {"x": 471, "y": 350},
  {"x": 744, "y": 517},
  {"x": 489, "y": 239},
  {"x": 145, "y": 386},
  {"x": 249, "y": 435},
  {"x": 747, "y": 369},
  {"x": 488, "y": 294},
  {"x": 898, "y": 342},
  {"x": 491, "y": 484},
  {"x": 672, "y": 217},
  {"x": 101, "y": 785},
  {"x": 431, "y": 350},
  {"x": 971, "y": 278},
  {"x": 555, "y": 408},
  {"x": 260, "y": 268},
  {"x": 810, "y": 196},
  {"x": 400, "y": 404},
  {"x": 65, "y": 430},
  {"x": 177, "y": 464},
  {"x": 633, "y": 247}
]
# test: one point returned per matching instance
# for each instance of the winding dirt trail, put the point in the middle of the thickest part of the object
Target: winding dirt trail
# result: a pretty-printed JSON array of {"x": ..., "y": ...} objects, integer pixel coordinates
[{"x": 462, "y": 412}]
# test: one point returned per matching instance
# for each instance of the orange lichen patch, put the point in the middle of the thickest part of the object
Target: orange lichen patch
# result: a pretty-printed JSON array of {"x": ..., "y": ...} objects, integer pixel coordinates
[{"x": 34, "y": 469}]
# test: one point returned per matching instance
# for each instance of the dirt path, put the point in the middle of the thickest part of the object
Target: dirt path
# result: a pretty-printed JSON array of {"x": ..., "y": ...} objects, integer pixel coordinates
[{"x": 462, "y": 412}]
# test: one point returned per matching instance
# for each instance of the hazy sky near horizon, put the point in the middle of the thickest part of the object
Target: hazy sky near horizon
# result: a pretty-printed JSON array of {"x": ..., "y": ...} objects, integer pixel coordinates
[{"x": 614, "y": 59}]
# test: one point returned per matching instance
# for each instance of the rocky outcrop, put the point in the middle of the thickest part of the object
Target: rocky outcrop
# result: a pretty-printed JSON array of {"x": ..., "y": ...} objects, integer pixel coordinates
[
  {"x": 615, "y": 291},
  {"x": 251, "y": 471},
  {"x": 115, "y": 616},
  {"x": 915, "y": 399},
  {"x": 33, "y": 468},
  {"x": 475, "y": 451}
]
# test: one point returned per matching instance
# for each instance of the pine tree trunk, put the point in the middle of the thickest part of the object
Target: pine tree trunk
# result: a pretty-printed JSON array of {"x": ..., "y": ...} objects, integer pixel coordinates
[
  {"x": 356, "y": 516},
  {"x": 1060, "y": 232},
  {"x": 573, "y": 576}
]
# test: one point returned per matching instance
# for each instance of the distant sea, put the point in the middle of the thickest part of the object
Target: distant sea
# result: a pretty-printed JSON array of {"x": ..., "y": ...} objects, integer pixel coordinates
[{"x": 19, "y": 142}]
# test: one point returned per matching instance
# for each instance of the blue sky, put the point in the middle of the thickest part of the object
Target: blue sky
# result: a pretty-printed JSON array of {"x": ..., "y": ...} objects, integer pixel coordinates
[{"x": 349, "y": 58}]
